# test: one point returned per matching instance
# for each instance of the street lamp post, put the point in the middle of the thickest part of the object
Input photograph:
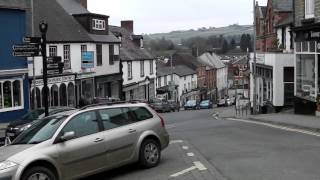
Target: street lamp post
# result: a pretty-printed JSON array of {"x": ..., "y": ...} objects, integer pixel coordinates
[
  {"x": 254, "y": 59},
  {"x": 43, "y": 27}
]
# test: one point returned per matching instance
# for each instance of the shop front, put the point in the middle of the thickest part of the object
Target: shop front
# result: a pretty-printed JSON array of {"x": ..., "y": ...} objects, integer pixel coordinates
[
  {"x": 307, "y": 51},
  {"x": 62, "y": 91},
  {"x": 14, "y": 94}
]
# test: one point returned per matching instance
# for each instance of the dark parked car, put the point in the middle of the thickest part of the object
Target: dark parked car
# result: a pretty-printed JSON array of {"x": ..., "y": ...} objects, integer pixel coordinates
[
  {"x": 160, "y": 105},
  {"x": 206, "y": 104},
  {"x": 192, "y": 104},
  {"x": 174, "y": 105},
  {"x": 17, "y": 126}
]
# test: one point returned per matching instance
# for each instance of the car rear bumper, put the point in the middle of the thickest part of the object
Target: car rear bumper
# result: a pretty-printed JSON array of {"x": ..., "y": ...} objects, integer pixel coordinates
[{"x": 165, "y": 140}]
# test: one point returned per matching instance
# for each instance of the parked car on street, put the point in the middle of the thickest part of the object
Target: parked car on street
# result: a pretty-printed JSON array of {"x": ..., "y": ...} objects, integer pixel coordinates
[
  {"x": 160, "y": 105},
  {"x": 76, "y": 144},
  {"x": 174, "y": 106},
  {"x": 206, "y": 104},
  {"x": 16, "y": 127},
  {"x": 192, "y": 104}
]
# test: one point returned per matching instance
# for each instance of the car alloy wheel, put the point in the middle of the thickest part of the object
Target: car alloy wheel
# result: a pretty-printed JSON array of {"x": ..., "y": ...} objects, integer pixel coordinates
[
  {"x": 39, "y": 176},
  {"x": 150, "y": 153}
]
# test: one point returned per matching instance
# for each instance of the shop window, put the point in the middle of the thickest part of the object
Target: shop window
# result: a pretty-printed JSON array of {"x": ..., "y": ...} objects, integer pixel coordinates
[
  {"x": 16, "y": 93},
  {"x": 7, "y": 96},
  {"x": 305, "y": 76},
  {"x": 305, "y": 46},
  {"x": 312, "y": 46},
  {"x": 1, "y": 100},
  {"x": 298, "y": 46},
  {"x": 71, "y": 95},
  {"x": 63, "y": 95},
  {"x": 10, "y": 94}
]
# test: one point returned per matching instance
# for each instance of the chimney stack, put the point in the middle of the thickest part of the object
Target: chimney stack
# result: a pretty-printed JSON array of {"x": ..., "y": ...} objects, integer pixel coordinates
[
  {"x": 128, "y": 25},
  {"x": 84, "y": 3}
]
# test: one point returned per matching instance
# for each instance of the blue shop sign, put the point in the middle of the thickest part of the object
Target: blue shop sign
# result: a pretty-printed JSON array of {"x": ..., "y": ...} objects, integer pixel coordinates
[{"x": 87, "y": 58}]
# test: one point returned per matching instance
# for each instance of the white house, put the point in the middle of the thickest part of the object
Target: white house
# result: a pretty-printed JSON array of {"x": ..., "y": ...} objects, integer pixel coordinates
[
  {"x": 90, "y": 54},
  {"x": 184, "y": 82},
  {"x": 275, "y": 79},
  {"x": 138, "y": 65}
]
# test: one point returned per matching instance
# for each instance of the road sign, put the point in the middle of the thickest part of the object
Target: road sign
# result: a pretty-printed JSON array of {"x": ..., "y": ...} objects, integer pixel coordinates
[
  {"x": 53, "y": 71},
  {"x": 87, "y": 59},
  {"x": 54, "y": 59},
  {"x": 26, "y": 50},
  {"x": 52, "y": 66},
  {"x": 32, "y": 40},
  {"x": 25, "y": 54},
  {"x": 25, "y": 47}
]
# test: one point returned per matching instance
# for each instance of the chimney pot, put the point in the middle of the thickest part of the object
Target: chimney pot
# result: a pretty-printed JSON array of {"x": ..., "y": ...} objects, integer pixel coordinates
[
  {"x": 128, "y": 25},
  {"x": 84, "y": 3}
]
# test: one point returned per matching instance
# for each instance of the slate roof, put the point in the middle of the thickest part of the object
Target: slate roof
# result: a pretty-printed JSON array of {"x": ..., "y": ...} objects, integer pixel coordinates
[
  {"x": 62, "y": 26},
  {"x": 180, "y": 70},
  {"x": 185, "y": 58},
  {"x": 212, "y": 60},
  {"x": 13, "y": 4},
  {"x": 129, "y": 51},
  {"x": 282, "y": 5},
  {"x": 73, "y": 6}
]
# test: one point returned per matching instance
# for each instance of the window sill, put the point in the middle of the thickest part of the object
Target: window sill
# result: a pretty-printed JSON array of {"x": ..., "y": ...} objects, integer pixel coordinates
[{"x": 12, "y": 109}]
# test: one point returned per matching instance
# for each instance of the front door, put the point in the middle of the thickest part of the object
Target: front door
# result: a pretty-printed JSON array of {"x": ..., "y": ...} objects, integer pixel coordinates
[{"x": 86, "y": 152}]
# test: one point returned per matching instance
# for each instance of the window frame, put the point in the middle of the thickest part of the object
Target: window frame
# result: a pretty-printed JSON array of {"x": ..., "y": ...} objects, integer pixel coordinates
[
  {"x": 53, "y": 50},
  {"x": 151, "y": 67},
  {"x": 129, "y": 66},
  {"x": 67, "y": 56},
  {"x": 142, "y": 68},
  {"x": 309, "y": 6},
  {"x": 111, "y": 54},
  {"x": 12, "y": 108},
  {"x": 99, "y": 24},
  {"x": 99, "y": 54}
]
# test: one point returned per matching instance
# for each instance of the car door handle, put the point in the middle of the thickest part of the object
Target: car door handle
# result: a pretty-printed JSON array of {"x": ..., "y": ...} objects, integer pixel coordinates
[
  {"x": 98, "y": 140},
  {"x": 132, "y": 130}
]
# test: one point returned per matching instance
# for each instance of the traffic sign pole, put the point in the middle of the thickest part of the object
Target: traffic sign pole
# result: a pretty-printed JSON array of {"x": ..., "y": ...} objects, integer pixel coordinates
[{"x": 43, "y": 29}]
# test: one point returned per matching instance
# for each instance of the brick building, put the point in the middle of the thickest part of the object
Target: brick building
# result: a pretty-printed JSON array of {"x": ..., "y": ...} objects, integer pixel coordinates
[{"x": 267, "y": 17}]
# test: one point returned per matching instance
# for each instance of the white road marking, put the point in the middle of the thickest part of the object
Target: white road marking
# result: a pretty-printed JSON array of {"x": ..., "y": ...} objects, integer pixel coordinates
[
  {"x": 170, "y": 126},
  {"x": 199, "y": 166},
  {"x": 176, "y": 141},
  {"x": 190, "y": 154},
  {"x": 277, "y": 127},
  {"x": 183, "y": 171},
  {"x": 185, "y": 147}
]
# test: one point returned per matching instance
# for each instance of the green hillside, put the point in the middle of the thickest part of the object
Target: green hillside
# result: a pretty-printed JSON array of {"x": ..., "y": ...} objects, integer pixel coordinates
[{"x": 176, "y": 36}]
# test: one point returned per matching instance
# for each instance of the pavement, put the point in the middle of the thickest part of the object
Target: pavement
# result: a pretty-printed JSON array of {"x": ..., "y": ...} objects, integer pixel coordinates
[{"x": 286, "y": 118}]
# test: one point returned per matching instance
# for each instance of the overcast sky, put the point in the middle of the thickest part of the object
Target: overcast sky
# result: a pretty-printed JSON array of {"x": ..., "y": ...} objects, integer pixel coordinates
[{"x": 156, "y": 16}]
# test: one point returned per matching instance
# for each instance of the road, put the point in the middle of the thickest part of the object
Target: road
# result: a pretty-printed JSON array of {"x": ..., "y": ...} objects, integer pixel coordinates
[
  {"x": 208, "y": 148},
  {"x": 229, "y": 150}
]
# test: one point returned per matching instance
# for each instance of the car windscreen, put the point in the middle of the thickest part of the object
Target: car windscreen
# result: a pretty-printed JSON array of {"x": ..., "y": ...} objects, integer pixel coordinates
[
  {"x": 40, "y": 131},
  {"x": 191, "y": 102},
  {"x": 205, "y": 102}
]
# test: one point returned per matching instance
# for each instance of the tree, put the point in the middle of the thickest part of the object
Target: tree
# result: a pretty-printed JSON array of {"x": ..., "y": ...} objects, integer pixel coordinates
[
  {"x": 225, "y": 47},
  {"x": 233, "y": 44},
  {"x": 246, "y": 42}
]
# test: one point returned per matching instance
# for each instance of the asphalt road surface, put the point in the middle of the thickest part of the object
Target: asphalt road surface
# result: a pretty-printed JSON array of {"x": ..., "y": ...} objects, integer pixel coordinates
[
  {"x": 228, "y": 150},
  {"x": 208, "y": 148}
]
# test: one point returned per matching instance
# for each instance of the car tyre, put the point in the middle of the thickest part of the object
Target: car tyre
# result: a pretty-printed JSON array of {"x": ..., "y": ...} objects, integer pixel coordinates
[
  {"x": 39, "y": 172},
  {"x": 150, "y": 153}
]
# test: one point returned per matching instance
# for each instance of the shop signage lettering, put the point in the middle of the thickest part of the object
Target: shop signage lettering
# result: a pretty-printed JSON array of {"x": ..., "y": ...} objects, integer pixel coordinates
[{"x": 55, "y": 80}]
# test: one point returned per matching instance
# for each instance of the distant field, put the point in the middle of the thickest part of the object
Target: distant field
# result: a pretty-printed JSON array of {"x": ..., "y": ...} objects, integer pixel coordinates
[{"x": 176, "y": 36}]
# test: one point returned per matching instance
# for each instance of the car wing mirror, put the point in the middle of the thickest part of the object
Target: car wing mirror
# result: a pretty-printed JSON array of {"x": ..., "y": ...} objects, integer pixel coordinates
[{"x": 67, "y": 136}]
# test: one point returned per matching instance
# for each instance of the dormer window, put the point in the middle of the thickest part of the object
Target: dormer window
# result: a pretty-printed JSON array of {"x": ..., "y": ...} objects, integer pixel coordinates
[
  {"x": 98, "y": 24},
  {"x": 309, "y": 9}
]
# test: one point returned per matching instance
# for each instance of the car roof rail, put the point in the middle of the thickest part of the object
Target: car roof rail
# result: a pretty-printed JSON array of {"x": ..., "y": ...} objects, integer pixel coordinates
[{"x": 110, "y": 104}]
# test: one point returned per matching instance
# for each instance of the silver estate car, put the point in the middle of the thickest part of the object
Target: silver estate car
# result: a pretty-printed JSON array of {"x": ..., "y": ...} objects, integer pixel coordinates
[{"x": 79, "y": 143}]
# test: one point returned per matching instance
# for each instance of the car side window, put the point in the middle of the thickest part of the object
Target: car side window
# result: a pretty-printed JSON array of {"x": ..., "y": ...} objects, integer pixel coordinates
[
  {"x": 115, "y": 117},
  {"x": 83, "y": 124},
  {"x": 141, "y": 113}
]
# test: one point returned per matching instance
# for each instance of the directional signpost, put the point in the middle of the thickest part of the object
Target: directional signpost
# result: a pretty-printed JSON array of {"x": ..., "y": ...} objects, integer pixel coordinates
[
  {"x": 26, "y": 50},
  {"x": 32, "y": 40},
  {"x": 54, "y": 65}
]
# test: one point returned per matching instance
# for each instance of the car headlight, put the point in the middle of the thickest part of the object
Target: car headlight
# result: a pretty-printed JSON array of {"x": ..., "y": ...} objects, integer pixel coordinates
[{"x": 6, "y": 165}]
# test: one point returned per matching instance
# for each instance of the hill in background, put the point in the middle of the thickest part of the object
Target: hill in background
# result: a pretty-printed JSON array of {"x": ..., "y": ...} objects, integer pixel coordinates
[{"x": 228, "y": 32}]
